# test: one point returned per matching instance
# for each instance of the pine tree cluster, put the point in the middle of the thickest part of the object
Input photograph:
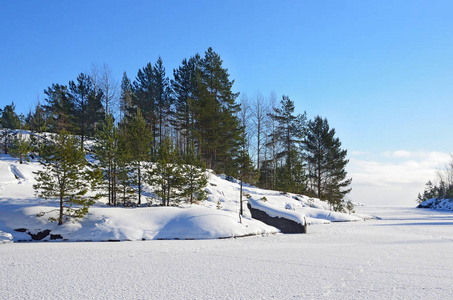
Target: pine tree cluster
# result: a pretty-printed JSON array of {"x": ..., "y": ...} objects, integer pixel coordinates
[
  {"x": 444, "y": 187},
  {"x": 164, "y": 132}
]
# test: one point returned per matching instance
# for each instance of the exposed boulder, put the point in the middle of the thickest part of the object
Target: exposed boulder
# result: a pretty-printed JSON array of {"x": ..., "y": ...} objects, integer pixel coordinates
[{"x": 285, "y": 225}]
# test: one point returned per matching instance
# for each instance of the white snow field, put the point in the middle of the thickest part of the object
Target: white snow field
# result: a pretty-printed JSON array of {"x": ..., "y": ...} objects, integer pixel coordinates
[{"x": 405, "y": 255}]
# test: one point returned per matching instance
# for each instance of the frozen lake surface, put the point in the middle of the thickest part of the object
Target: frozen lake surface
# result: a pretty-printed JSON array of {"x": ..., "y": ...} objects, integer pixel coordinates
[{"x": 406, "y": 255}]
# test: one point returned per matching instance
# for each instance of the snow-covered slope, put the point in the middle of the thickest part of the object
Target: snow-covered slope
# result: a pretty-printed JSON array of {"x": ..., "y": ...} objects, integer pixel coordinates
[{"x": 217, "y": 217}]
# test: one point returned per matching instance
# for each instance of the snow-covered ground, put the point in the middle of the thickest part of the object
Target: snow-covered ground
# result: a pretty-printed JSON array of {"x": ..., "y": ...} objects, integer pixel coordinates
[
  {"x": 218, "y": 217},
  {"x": 405, "y": 255}
]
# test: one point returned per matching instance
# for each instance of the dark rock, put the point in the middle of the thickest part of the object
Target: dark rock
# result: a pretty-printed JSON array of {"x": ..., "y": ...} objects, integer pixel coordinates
[
  {"x": 285, "y": 225},
  {"x": 21, "y": 229},
  {"x": 40, "y": 235},
  {"x": 56, "y": 237}
]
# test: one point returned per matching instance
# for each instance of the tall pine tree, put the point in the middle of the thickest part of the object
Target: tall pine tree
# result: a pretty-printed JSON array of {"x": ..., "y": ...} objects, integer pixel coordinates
[
  {"x": 107, "y": 152},
  {"x": 138, "y": 139},
  {"x": 218, "y": 124},
  {"x": 326, "y": 162},
  {"x": 289, "y": 133},
  {"x": 185, "y": 88}
]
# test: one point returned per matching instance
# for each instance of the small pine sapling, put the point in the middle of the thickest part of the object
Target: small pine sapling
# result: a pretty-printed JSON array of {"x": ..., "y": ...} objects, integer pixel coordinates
[
  {"x": 20, "y": 148},
  {"x": 66, "y": 177}
]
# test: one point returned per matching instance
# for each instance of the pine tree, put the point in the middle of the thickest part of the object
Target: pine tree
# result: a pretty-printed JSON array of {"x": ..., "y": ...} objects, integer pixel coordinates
[
  {"x": 89, "y": 111},
  {"x": 124, "y": 168},
  {"x": 106, "y": 151},
  {"x": 20, "y": 148},
  {"x": 60, "y": 108},
  {"x": 327, "y": 162},
  {"x": 126, "y": 96},
  {"x": 166, "y": 173},
  {"x": 290, "y": 128},
  {"x": 66, "y": 177},
  {"x": 9, "y": 118},
  {"x": 194, "y": 178},
  {"x": 95, "y": 112},
  {"x": 184, "y": 87},
  {"x": 163, "y": 100},
  {"x": 144, "y": 88},
  {"x": 37, "y": 122},
  {"x": 80, "y": 92},
  {"x": 289, "y": 133},
  {"x": 138, "y": 139},
  {"x": 9, "y": 121},
  {"x": 218, "y": 125}
]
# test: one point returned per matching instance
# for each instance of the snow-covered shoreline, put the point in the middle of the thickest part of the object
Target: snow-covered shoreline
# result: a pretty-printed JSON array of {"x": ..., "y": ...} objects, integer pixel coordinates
[{"x": 217, "y": 217}]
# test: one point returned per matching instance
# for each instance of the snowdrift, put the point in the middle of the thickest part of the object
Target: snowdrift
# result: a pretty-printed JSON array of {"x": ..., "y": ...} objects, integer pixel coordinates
[{"x": 217, "y": 217}]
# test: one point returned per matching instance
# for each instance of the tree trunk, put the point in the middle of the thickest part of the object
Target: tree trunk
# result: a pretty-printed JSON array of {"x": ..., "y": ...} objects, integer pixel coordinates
[
  {"x": 139, "y": 186},
  {"x": 60, "y": 216}
]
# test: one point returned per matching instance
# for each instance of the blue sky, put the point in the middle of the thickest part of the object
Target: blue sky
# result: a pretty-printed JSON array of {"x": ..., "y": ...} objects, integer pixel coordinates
[{"x": 381, "y": 72}]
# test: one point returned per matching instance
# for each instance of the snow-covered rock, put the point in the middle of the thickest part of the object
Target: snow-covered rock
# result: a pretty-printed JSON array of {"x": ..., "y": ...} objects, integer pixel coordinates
[{"x": 436, "y": 203}]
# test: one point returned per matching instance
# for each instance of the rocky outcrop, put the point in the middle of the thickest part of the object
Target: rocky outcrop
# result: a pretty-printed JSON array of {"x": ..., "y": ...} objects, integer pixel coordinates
[
  {"x": 40, "y": 235},
  {"x": 285, "y": 225}
]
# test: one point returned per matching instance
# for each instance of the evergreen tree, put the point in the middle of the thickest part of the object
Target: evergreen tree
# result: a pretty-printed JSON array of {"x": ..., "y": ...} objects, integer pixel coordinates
[
  {"x": 144, "y": 88},
  {"x": 184, "y": 87},
  {"x": 218, "y": 124},
  {"x": 428, "y": 193},
  {"x": 290, "y": 128},
  {"x": 88, "y": 105},
  {"x": 9, "y": 121},
  {"x": 288, "y": 132},
  {"x": 106, "y": 151},
  {"x": 138, "y": 139},
  {"x": 124, "y": 168},
  {"x": 166, "y": 173},
  {"x": 126, "y": 96},
  {"x": 163, "y": 100},
  {"x": 194, "y": 178},
  {"x": 298, "y": 184},
  {"x": 60, "y": 108},
  {"x": 9, "y": 118},
  {"x": 66, "y": 177},
  {"x": 20, "y": 148},
  {"x": 327, "y": 162},
  {"x": 80, "y": 92},
  {"x": 37, "y": 120}
]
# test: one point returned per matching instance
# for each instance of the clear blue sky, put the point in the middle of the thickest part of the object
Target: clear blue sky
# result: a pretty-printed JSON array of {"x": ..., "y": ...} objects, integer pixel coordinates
[{"x": 380, "y": 71}]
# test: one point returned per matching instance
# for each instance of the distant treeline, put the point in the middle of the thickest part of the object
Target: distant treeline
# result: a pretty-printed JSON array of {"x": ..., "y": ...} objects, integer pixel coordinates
[{"x": 443, "y": 186}]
